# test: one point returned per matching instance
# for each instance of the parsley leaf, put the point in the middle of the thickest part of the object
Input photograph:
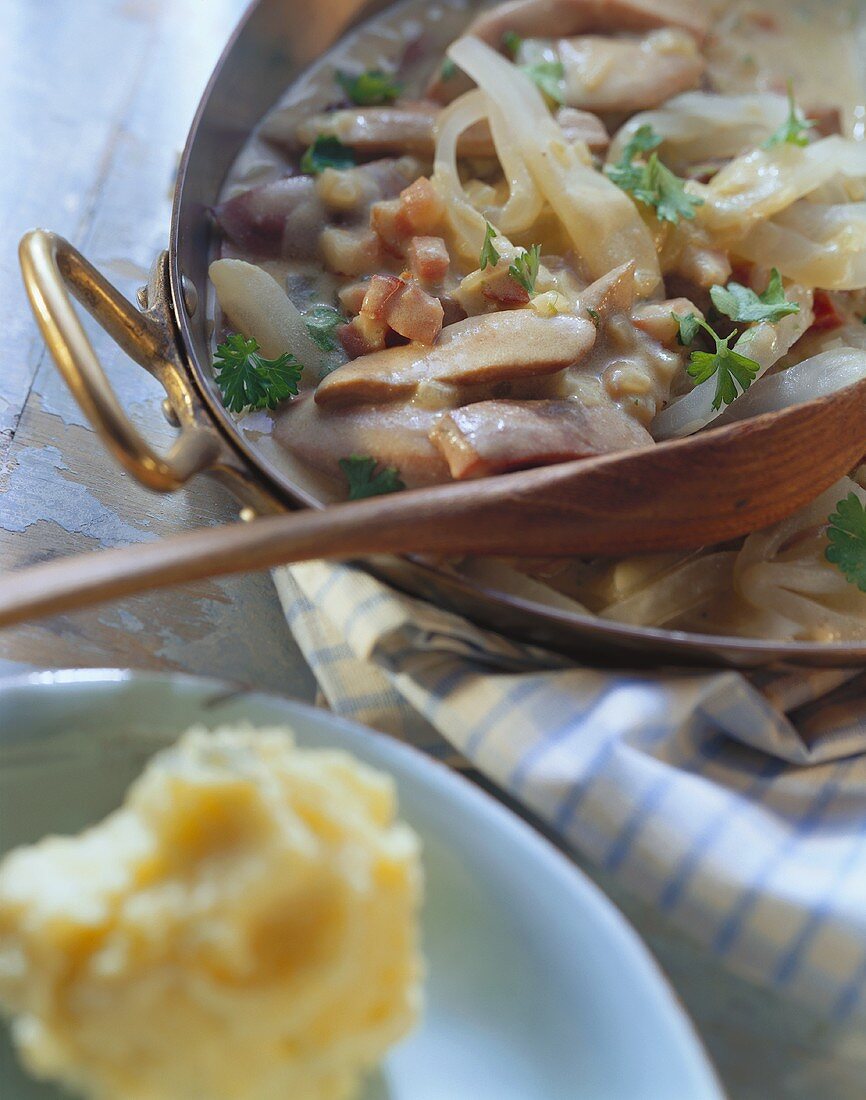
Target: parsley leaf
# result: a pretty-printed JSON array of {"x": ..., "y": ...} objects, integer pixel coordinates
[
  {"x": 594, "y": 316},
  {"x": 369, "y": 89},
  {"x": 511, "y": 43},
  {"x": 734, "y": 372},
  {"x": 625, "y": 173},
  {"x": 846, "y": 533},
  {"x": 549, "y": 76},
  {"x": 524, "y": 269},
  {"x": 652, "y": 183},
  {"x": 794, "y": 130},
  {"x": 666, "y": 192},
  {"x": 643, "y": 140},
  {"x": 740, "y": 303},
  {"x": 247, "y": 380},
  {"x": 327, "y": 151},
  {"x": 690, "y": 326},
  {"x": 321, "y": 321},
  {"x": 448, "y": 70},
  {"x": 489, "y": 255},
  {"x": 363, "y": 482}
]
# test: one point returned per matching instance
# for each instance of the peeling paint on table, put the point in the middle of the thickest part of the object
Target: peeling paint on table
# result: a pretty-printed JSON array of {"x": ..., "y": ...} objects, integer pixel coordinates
[
  {"x": 96, "y": 97},
  {"x": 95, "y": 101}
]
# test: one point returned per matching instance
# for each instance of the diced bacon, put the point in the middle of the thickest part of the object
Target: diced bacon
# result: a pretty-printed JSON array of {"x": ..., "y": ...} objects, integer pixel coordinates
[
  {"x": 828, "y": 120},
  {"x": 417, "y": 212},
  {"x": 380, "y": 292},
  {"x": 363, "y": 335},
  {"x": 352, "y": 296},
  {"x": 350, "y": 252},
  {"x": 428, "y": 259},
  {"x": 421, "y": 208},
  {"x": 415, "y": 314},
  {"x": 827, "y": 316},
  {"x": 383, "y": 222},
  {"x": 505, "y": 292}
]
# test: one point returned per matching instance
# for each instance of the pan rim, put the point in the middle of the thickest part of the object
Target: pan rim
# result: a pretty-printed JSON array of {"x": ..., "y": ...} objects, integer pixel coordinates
[{"x": 688, "y": 647}]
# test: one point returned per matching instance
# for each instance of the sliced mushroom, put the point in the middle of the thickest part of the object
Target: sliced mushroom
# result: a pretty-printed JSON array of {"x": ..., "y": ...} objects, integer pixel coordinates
[
  {"x": 628, "y": 74},
  {"x": 612, "y": 293},
  {"x": 282, "y": 218},
  {"x": 492, "y": 437},
  {"x": 659, "y": 319},
  {"x": 496, "y": 347},
  {"x": 286, "y": 217},
  {"x": 561, "y": 18},
  {"x": 565, "y": 18},
  {"x": 395, "y": 435},
  {"x": 410, "y": 127}
]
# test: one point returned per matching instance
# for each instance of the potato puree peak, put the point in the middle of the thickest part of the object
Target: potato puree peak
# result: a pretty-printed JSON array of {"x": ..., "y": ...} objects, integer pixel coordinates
[{"x": 244, "y": 926}]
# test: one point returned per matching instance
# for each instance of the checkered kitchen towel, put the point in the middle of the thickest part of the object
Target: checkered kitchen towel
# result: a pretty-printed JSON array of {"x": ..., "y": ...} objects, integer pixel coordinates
[{"x": 734, "y": 805}]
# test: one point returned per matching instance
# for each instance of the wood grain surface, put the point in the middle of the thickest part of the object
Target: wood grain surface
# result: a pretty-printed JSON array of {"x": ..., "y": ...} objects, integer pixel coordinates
[
  {"x": 94, "y": 110},
  {"x": 95, "y": 100}
]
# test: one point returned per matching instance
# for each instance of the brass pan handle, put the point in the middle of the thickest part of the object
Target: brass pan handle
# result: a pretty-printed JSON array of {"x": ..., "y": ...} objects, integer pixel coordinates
[{"x": 52, "y": 268}]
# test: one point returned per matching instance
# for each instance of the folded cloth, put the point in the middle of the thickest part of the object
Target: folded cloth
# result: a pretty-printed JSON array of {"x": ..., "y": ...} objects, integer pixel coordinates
[{"x": 734, "y": 804}]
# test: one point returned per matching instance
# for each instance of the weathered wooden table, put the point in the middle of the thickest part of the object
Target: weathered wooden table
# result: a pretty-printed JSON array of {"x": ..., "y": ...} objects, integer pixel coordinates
[{"x": 96, "y": 97}]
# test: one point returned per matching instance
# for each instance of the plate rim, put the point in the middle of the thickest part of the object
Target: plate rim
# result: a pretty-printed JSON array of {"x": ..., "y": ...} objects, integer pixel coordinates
[{"x": 605, "y": 915}]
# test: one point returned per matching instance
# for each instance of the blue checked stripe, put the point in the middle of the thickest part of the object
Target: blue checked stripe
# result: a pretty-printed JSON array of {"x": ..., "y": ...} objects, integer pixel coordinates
[
  {"x": 513, "y": 697},
  {"x": 573, "y": 724},
  {"x": 732, "y": 926},
  {"x": 660, "y": 746},
  {"x": 854, "y": 859},
  {"x": 851, "y": 994},
  {"x": 737, "y": 802}
]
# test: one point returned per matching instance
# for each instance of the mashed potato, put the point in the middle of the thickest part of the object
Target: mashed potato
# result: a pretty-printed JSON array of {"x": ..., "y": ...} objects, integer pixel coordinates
[{"x": 243, "y": 928}]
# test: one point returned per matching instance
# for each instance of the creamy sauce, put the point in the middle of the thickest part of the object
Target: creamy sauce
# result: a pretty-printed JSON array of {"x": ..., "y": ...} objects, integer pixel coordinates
[
  {"x": 752, "y": 48},
  {"x": 816, "y": 45}
]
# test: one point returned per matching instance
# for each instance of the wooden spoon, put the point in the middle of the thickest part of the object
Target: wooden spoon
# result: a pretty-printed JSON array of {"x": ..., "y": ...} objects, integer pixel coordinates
[{"x": 679, "y": 495}]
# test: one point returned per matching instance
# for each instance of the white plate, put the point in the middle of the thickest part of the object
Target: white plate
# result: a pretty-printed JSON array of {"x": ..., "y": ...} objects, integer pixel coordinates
[{"x": 537, "y": 988}]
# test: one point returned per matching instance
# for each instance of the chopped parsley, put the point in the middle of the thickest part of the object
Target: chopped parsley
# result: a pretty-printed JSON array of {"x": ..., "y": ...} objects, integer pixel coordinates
[
  {"x": 651, "y": 182},
  {"x": 327, "y": 151},
  {"x": 524, "y": 269},
  {"x": 594, "y": 317},
  {"x": 794, "y": 130},
  {"x": 511, "y": 43},
  {"x": 549, "y": 76},
  {"x": 489, "y": 255},
  {"x": 372, "y": 88},
  {"x": 448, "y": 70},
  {"x": 734, "y": 373},
  {"x": 247, "y": 380},
  {"x": 321, "y": 322},
  {"x": 741, "y": 303},
  {"x": 364, "y": 482},
  {"x": 846, "y": 533}
]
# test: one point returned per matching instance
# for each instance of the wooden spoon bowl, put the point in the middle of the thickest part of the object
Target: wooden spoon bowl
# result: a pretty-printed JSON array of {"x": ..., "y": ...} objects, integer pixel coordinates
[{"x": 679, "y": 495}]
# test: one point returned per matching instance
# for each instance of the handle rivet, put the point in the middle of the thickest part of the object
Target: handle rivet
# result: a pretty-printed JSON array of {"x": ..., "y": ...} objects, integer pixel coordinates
[
  {"x": 141, "y": 296},
  {"x": 169, "y": 413},
  {"x": 190, "y": 295}
]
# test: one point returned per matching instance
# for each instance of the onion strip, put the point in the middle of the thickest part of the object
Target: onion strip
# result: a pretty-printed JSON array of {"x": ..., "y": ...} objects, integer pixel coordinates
[{"x": 603, "y": 223}]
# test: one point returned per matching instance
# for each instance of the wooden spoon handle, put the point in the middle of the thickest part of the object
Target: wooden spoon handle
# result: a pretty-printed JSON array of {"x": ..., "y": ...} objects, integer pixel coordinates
[{"x": 397, "y": 523}]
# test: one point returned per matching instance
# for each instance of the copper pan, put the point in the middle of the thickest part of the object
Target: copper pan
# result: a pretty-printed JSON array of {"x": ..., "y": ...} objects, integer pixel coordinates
[{"x": 169, "y": 337}]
